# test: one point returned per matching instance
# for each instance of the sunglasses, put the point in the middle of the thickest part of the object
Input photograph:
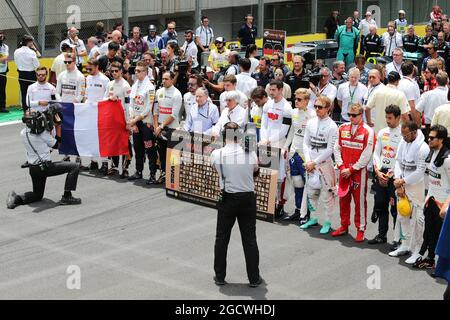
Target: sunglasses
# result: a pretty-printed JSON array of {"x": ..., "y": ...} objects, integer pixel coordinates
[
  {"x": 88, "y": 69},
  {"x": 319, "y": 107},
  {"x": 68, "y": 62},
  {"x": 274, "y": 59},
  {"x": 431, "y": 138},
  {"x": 299, "y": 99},
  {"x": 354, "y": 115},
  {"x": 115, "y": 71}
]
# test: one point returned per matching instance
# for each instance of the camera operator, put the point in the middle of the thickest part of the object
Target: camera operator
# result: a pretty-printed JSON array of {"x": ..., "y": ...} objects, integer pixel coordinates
[
  {"x": 136, "y": 46},
  {"x": 38, "y": 143},
  {"x": 40, "y": 93}
]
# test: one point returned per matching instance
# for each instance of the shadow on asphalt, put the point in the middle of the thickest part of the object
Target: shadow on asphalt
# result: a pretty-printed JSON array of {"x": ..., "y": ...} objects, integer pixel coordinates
[
  {"x": 43, "y": 205},
  {"x": 116, "y": 178},
  {"x": 242, "y": 289}
]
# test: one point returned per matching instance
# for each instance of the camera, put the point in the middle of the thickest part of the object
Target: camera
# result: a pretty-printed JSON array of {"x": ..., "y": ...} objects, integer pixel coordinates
[
  {"x": 182, "y": 66},
  {"x": 38, "y": 121},
  {"x": 314, "y": 78}
]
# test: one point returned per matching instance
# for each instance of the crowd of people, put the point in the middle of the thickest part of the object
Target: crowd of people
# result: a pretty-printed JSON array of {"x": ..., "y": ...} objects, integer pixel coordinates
[{"x": 389, "y": 123}]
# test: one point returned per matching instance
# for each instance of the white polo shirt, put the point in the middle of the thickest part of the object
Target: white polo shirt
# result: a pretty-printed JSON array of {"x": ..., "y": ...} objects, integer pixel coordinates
[
  {"x": 348, "y": 95},
  {"x": 410, "y": 88},
  {"x": 430, "y": 100},
  {"x": 26, "y": 59},
  {"x": 246, "y": 84}
]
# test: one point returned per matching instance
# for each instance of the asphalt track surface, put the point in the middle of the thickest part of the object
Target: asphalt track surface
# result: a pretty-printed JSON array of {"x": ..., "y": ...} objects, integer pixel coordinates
[{"x": 132, "y": 242}]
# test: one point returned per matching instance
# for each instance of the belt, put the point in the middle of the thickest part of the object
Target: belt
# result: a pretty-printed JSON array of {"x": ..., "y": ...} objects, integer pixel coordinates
[{"x": 240, "y": 194}]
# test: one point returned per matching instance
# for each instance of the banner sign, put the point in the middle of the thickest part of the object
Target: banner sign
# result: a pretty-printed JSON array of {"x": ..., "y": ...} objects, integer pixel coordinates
[
  {"x": 273, "y": 41},
  {"x": 191, "y": 177}
]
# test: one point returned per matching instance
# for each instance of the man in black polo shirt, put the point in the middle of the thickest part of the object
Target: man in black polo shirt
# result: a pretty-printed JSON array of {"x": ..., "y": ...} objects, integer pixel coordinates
[
  {"x": 265, "y": 75},
  {"x": 411, "y": 41},
  {"x": 247, "y": 33},
  {"x": 104, "y": 62},
  {"x": 372, "y": 43},
  {"x": 295, "y": 77}
]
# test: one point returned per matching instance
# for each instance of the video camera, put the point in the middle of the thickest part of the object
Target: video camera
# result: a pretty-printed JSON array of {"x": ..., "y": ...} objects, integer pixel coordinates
[
  {"x": 182, "y": 66},
  {"x": 38, "y": 121}
]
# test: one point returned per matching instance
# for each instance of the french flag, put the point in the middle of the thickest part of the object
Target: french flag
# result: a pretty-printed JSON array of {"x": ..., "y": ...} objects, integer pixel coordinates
[{"x": 94, "y": 129}]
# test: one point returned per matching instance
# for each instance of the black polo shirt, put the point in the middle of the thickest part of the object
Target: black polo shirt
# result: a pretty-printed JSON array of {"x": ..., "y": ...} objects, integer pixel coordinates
[
  {"x": 247, "y": 35},
  {"x": 263, "y": 79},
  {"x": 411, "y": 44},
  {"x": 296, "y": 81}
]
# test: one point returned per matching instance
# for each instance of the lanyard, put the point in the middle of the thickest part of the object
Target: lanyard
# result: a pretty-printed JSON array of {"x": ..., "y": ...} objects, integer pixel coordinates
[
  {"x": 350, "y": 92},
  {"x": 371, "y": 91},
  {"x": 323, "y": 89},
  {"x": 207, "y": 113}
]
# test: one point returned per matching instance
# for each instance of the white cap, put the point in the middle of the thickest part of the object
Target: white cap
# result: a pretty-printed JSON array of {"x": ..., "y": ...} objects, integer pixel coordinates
[
  {"x": 368, "y": 13},
  {"x": 402, "y": 12}
]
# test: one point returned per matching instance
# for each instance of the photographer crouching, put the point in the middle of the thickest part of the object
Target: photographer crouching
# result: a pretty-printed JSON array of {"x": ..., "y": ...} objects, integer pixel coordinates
[{"x": 39, "y": 142}]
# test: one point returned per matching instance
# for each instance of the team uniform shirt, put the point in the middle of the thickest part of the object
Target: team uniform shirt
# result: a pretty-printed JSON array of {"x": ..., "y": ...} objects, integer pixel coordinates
[
  {"x": 191, "y": 51},
  {"x": 276, "y": 121},
  {"x": 152, "y": 43},
  {"x": 79, "y": 45},
  {"x": 263, "y": 79},
  {"x": 168, "y": 104},
  {"x": 430, "y": 100},
  {"x": 410, "y": 166},
  {"x": 42, "y": 143},
  {"x": 246, "y": 84},
  {"x": 383, "y": 98},
  {"x": 202, "y": 119},
  {"x": 206, "y": 35},
  {"x": 96, "y": 87},
  {"x": 411, "y": 44},
  {"x": 188, "y": 102},
  {"x": 142, "y": 97},
  {"x": 238, "y": 115},
  {"x": 4, "y": 52},
  {"x": 71, "y": 86},
  {"x": 373, "y": 44},
  {"x": 40, "y": 92},
  {"x": 442, "y": 117},
  {"x": 218, "y": 60},
  {"x": 391, "y": 43},
  {"x": 329, "y": 90},
  {"x": 394, "y": 67},
  {"x": 348, "y": 95},
  {"x": 438, "y": 179},
  {"x": 354, "y": 147},
  {"x": 26, "y": 59},
  {"x": 386, "y": 147},
  {"x": 120, "y": 89},
  {"x": 243, "y": 100},
  {"x": 58, "y": 65},
  {"x": 319, "y": 140},
  {"x": 297, "y": 132}
]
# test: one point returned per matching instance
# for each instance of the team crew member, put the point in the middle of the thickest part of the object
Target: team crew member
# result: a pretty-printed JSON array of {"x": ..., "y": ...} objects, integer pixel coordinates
[
  {"x": 391, "y": 39},
  {"x": 438, "y": 170},
  {"x": 166, "y": 114},
  {"x": 119, "y": 89},
  {"x": 39, "y": 94},
  {"x": 78, "y": 45},
  {"x": 411, "y": 41},
  {"x": 295, "y": 77},
  {"x": 325, "y": 88},
  {"x": 275, "y": 124},
  {"x": 236, "y": 169},
  {"x": 411, "y": 89},
  {"x": 142, "y": 97},
  {"x": 38, "y": 143},
  {"x": 409, "y": 172},
  {"x": 26, "y": 59},
  {"x": 388, "y": 140},
  {"x": 364, "y": 28},
  {"x": 300, "y": 116},
  {"x": 260, "y": 98},
  {"x": 4, "y": 54},
  {"x": 347, "y": 38},
  {"x": 96, "y": 82},
  {"x": 230, "y": 84},
  {"x": 203, "y": 115},
  {"x": 247, "y": 32},
  {"x": 318, "y": 145},
  {"x": 372, "y": 43},
  {"x": 205, "y": 35},
  {"x": 353, "y": 152},
  {"x": 218, "y": 58},
  {"x": 190, "y": 48},
  {"x": 432, "y": 99},
  {"x": 233, "y": 112},
  {"x": 350, "y": 92}
]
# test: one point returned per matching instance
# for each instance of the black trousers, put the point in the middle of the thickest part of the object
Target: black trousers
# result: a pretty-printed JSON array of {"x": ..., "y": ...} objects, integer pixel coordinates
[
  {"x": 3, "y": 81},
  {"x": 162, "y": 151},
  {"x": 39, "y": 178},
  {"x": 243, "y": 207},
  {"x": 383, "y": 196},
  {"x": 447, "y": 293},
  {"x": 126, "y": 160},
  {"x": 144, "y": 143},
  {"x": 27, "y": 78},
  {"x": 433, "y": 225}
]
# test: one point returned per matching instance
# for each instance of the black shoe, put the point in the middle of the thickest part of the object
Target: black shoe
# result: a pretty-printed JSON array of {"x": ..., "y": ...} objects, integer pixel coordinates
[
  {"x": 124, "y": 174},
  {"x": 93, "y": 166},
  {"x": 424, "y": 263},
  {"x": 66, "y": 159},
  {"x": 219, "y": 282},
  {"x": 112, "y": 171},
  {"x": 279, "y": 212},
  {"x": 305, "y": 219},
  {"x": 292, "y": 217},
  {"x": 152, "y": 180},
  {"x": 67, "y": 201},
  {"x": 136, "y": 176},
  {"x": 377, "y": 240},
  {"x": 255, "y": 284},
  {"x": 162, "y": 178},
  {"x": 103, "y": 170},
  {"x": 11, "y": 202},
  {"x": 25, "y": 165},
  {"x": 395, "y": 245}
]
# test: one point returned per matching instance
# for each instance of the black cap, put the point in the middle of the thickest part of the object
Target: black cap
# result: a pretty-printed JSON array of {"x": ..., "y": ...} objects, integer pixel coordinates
[
  {"x": 394, "y": 76},
  {"x": 65, "y": 46}
]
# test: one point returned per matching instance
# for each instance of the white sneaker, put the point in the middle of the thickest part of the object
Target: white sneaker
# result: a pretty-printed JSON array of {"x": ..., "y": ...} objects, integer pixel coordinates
[
  {"x": 401, "y": 251},
  {"x": 413, "y": 258}
]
